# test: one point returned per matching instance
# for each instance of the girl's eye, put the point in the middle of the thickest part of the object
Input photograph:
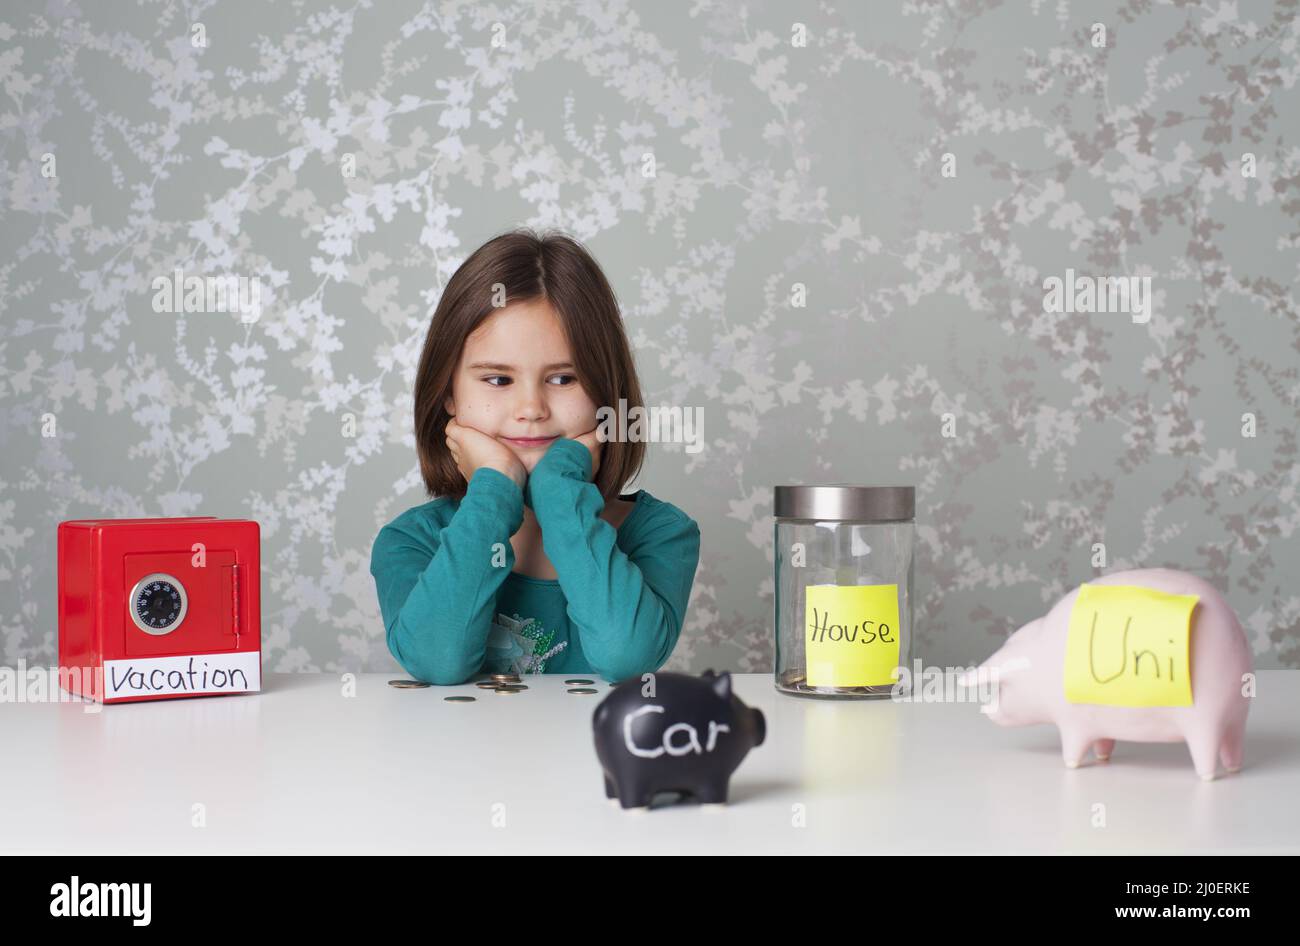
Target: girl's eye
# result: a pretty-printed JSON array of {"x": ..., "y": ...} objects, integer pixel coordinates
[{"x": 501, "y": 380}]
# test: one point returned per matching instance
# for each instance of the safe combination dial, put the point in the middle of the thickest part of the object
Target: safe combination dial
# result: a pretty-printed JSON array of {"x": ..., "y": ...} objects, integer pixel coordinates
[{"x": 158, "y": 603}]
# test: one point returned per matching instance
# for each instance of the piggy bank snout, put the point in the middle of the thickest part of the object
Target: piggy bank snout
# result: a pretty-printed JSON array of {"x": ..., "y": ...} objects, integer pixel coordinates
[{"x": 760, "y": 727}]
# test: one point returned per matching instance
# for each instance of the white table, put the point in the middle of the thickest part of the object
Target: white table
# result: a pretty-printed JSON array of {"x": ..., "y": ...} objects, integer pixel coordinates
[{"x": 302, "y": 768}]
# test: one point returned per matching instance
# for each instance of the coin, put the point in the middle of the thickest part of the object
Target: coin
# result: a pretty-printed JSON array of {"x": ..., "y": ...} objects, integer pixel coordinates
[
  {"x": 407, "y": 684},
  {"x": 583, "y": 690},
  {"x": 459, "y": 699},
  {"x": 506, "y": 677},
  {"x": 487, "y": 685},
  {"x": 506, "y": 690},
  {"x": 578, "y": 683},
  {"x": 511, "y": 686}
]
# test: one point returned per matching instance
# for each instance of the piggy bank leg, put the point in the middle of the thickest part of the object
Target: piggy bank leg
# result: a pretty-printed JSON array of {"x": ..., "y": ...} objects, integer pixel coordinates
[
  {"x": 1232, "y": 746},
  {"x": 1204, "y": 747},
  {"x": 1103, "y": 749},
  {"x": 713, "y": 794},
  {"x": 609, "y": 788},
  {"x": 1074, "y": 747},
  {"x": 632, "y": 794}
]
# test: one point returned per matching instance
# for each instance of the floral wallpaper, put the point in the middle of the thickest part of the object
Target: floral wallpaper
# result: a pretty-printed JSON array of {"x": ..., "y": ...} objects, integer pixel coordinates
[{"x": 872, "y": 243}]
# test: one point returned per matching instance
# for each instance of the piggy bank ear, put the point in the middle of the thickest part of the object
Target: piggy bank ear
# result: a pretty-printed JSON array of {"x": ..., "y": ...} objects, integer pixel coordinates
[
  {"x": 708, "y": 674},
  {"x": 722, "y": 685}
]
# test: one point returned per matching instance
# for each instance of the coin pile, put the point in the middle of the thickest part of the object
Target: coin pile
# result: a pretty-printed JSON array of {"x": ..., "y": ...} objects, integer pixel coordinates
[
  {"x": 504, "y": 683},
  {"x": 408, "y": 684}
]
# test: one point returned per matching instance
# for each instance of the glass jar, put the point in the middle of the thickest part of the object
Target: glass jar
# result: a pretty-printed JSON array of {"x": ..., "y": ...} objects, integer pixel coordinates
[{"x": 843, "y": 560}]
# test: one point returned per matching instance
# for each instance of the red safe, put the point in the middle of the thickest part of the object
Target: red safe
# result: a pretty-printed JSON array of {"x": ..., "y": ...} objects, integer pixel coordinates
[{"x": 155, "y": 609}]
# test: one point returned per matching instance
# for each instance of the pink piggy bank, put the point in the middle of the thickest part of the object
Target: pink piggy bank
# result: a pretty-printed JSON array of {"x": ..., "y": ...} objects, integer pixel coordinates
[{"x": 1030, "y": 667}]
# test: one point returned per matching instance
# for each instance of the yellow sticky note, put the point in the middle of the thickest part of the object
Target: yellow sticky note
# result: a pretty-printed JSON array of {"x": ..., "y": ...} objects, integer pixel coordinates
[
  {"x": 851, "y": 635},
  {"x": 1129, "y": 646}
]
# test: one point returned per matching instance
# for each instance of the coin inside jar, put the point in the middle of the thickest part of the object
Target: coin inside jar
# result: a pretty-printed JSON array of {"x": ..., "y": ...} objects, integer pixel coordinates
[{"x": 407, "y": 684}]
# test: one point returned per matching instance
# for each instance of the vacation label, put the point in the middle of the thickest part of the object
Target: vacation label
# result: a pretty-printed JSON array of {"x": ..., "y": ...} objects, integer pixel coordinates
[
  {"x": 1129, "y": 646},
  {"x": 852, "y": 635},
  {"x": 234, "y": 672}
]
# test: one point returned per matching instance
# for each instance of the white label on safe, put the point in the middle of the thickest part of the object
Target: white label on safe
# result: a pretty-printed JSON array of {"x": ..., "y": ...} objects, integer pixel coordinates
[{"x": 193, "y": 673}]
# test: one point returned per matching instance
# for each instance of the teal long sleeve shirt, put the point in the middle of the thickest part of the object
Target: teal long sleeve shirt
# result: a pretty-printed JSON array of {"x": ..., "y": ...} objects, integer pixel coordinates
[{"x": 453, "y": 606}]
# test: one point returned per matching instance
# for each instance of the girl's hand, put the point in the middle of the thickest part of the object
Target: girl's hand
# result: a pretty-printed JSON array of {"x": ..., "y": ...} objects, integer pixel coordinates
[
  {"x": 593, "y": 445},
  {"x": 473, "y": 449}
]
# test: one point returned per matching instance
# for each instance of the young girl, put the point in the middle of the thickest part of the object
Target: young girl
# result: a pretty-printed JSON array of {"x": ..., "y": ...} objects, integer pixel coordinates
[{"x": 530, "y": 560}]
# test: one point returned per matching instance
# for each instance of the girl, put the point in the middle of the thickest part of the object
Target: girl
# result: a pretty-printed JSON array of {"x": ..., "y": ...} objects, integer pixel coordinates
[{"x": 530, "y": 560}]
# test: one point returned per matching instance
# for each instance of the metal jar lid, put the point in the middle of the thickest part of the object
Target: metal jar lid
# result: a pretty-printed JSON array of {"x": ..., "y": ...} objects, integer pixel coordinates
[{"x": 842, "y": 503}]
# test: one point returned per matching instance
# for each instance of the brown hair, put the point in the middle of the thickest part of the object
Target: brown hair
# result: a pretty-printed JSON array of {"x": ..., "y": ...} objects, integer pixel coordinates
[{"x": 549, "y": 266}]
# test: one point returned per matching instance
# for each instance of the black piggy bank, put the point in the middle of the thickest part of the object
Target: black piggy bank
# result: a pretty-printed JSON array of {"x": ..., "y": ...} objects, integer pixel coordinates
[{"x": 687, "y": 737}]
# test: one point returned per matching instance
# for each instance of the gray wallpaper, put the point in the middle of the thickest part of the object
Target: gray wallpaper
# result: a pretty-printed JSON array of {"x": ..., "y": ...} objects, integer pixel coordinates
[{"x": 833, "y": 228}]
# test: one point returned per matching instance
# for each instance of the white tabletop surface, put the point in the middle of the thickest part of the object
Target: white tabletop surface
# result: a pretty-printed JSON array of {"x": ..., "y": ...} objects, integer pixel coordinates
[{"x": 302, "y": 768}]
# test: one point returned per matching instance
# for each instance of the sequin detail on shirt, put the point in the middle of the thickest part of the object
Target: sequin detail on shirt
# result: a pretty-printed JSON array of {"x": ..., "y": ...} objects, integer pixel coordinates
[{"x": 520, "y": 645}]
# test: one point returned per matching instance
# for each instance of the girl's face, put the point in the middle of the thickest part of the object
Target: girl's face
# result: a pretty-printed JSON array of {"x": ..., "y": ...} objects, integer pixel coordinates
[{"x": 516, "y": 382}]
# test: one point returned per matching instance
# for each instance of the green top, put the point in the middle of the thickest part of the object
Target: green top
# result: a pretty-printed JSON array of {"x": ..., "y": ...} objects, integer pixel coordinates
[{"x": 453, "y": 606}]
